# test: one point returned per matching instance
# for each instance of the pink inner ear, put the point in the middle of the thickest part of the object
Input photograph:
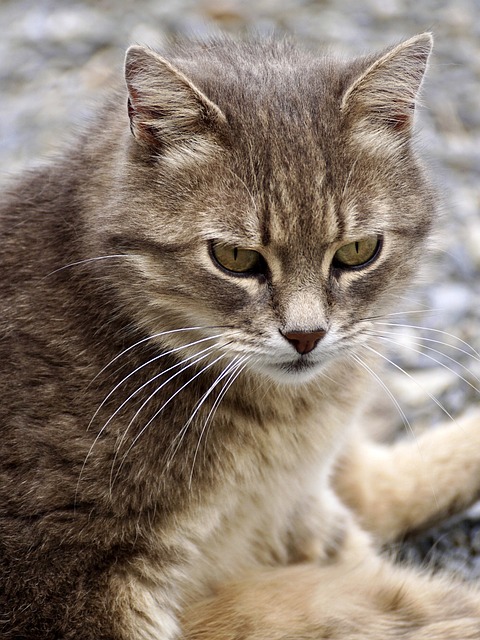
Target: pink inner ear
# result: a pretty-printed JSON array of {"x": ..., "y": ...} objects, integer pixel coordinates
[
  {"x": 131, "y": 110},
  {"x": 134, "y": 106},
  {"x": 139, "y": 127},
  {"x": 401, "y": 119}
]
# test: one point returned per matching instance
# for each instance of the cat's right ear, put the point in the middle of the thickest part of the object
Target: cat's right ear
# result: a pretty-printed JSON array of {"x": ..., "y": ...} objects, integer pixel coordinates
[
  {"x": 166, "y": 110},
  {"x": 384, "y": 97}
]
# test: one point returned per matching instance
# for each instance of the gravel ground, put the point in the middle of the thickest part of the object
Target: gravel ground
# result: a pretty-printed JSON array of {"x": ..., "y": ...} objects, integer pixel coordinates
[{"x": 57, "y": 56}]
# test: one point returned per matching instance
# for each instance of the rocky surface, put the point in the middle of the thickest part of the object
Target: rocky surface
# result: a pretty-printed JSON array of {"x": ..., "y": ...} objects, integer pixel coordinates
[
  {"x": 57, "y": 57},
  {"x": 454, "y": 546}
]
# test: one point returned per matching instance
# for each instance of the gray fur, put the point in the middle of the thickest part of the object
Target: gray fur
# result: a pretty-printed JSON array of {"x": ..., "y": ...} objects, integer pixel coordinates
[{"x": 112, "y": 513}]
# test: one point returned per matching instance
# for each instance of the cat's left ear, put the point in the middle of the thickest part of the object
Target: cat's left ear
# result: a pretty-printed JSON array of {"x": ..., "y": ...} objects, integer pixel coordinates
[
  {"x": 384, "y": 96},
  {"x": 166, "y": 110}
]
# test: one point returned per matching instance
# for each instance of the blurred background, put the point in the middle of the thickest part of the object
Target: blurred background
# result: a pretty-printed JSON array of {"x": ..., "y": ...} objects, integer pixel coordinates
[{"x": 57, "y": 57}]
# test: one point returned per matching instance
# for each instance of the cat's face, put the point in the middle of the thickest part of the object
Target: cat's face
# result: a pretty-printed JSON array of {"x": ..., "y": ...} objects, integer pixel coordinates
[{"x": 279, "y": 208}]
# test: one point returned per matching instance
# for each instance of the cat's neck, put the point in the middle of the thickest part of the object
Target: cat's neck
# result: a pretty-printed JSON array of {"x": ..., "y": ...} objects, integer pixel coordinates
[{"x": 313, "y": 410}]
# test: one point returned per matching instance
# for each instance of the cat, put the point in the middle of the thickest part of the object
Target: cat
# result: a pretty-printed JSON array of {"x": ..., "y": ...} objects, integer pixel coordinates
[{"x": 188, "y": 306}]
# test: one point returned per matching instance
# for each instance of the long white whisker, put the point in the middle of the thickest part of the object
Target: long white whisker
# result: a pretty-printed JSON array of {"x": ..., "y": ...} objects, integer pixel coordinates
[
  {"x": 426, "y": 355},
  {"x": 99, "y": 434},
  {"x": 179, "y": 437},
  {"x": 142, "y": 366},
  {"x": 157, "y": 413},
  {"x": 388, "y": 391},
  {"x": 423, "y": 339},
  {"x": 349, "y": 177},
  {"x": 191, "y": 360},
  {"x": 400, "y": 313},
  {"x": 205, "y": 351},
  {"x": 240, "y": 366},
  {"x": 143, "y": 340},
  {"x": 242, "y": 182},
  {"x": 87, "y": 260},
  {"x": 399, "y": 408},
  {"x": 445, "y": 333},
  {"x": 431, "y": 396}
]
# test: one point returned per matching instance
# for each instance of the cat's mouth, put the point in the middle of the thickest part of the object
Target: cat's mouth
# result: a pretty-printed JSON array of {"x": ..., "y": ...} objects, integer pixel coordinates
[
  {"x": 297, "y": 371},
  {"x": 297, "y": 366}
]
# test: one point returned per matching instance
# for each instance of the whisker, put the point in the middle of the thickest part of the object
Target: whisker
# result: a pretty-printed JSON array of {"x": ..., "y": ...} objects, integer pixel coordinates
[
  {"x": 400, "y": 313},
  {"x": 413, "y": 298},
  {"x": 397, "y": 405},
  {"x": 426, "y": 355},
  {"x": 99, "y": 434},
  {"x": 157, "y": 413},
  {"x": 143, "y": 365},
  {"x": 242, "y": 182},
  {"x": 349, "y": 177},
  {"x": 143, "y": 340},
  {"x": 388, "y": 391},
  {"x": 158, "y": 375},
  {"x": 192, "y": 360},
  {"x": 431, "y": 396},
  {"x": 445, "y": 333},
  {"x": 179, "y": 437},
  {"x": 423, "y": 339},
  {"x": 231, "y": 379},
  {"x": 87, "y": 260},
  {"x": 252, "y": 156}
]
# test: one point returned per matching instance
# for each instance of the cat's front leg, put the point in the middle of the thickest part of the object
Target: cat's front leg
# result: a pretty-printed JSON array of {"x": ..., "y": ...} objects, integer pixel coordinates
[
  {"x": 415, "y": 482},
  {"x": 362, "y": 598}
]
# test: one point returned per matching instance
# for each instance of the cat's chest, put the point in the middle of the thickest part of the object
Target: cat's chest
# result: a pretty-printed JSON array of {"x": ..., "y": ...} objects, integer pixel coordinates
[
  {"x": 259, "y": 496},
  {"x": 252, "y": 518}
]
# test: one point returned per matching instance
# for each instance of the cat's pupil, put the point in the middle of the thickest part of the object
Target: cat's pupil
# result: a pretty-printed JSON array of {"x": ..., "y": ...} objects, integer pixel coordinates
[
  {"x": 238, "y": 261},
  {"x": 358, "y": 253}
]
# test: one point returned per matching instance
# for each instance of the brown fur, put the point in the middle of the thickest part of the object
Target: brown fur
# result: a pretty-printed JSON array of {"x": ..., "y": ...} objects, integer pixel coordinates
[{"x": 139, "y": 491}]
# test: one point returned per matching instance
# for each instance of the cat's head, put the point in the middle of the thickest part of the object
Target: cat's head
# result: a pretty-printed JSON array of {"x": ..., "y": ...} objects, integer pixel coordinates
[{"x": 270, "y": 198}]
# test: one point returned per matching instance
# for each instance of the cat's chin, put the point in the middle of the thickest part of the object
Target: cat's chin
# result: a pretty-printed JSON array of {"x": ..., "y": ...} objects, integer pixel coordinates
[{"x": 293, "y": 373}]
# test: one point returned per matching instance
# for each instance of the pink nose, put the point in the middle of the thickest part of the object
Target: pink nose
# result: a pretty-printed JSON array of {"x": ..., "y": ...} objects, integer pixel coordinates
[{"x": 304, "y": 341}]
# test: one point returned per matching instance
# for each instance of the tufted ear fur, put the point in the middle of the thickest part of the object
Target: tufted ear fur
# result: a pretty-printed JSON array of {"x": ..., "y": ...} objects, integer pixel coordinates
[
  {"x": 165, "y": 108},
  {"x": 384, "y": 96}
]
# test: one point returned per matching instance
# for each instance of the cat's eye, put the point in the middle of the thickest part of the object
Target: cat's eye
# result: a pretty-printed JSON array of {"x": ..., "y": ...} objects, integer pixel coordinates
[
  {"x": 357, "y": 254},
  {"x": 237, "y": 260}
]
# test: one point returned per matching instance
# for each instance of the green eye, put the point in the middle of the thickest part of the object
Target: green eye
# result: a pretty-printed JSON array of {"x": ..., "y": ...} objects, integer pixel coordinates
[
  {"x": 237, "y": 260},
  {"x": 358, "y": 253}
]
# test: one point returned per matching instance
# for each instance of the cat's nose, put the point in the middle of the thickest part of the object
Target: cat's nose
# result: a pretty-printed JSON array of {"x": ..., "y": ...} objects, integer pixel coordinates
[{"x": 304, "y": 341}]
